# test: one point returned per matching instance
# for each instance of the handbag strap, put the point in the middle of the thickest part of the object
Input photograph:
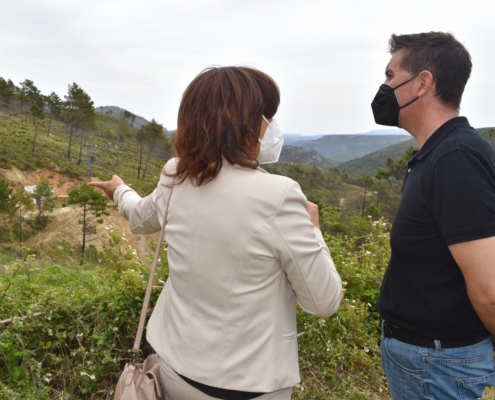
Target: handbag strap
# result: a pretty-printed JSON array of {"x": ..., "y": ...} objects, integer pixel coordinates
[{"x": 142, "y": 319}]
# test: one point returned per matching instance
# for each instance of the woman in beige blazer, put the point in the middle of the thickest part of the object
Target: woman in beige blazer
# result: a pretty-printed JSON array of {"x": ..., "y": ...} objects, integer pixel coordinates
[{"x": 242, "y": 246}]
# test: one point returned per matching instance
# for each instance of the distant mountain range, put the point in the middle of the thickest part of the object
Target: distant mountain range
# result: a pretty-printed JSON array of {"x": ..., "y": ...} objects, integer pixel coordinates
[
  {"x": 343, "y": 148},
  {"x": 115, "y": 111},
  {"x": 360, "y": 153},
  {"x": 306, "y": 156},
  {"x": 369, "y": 163},
  {"x": 291, "y": 138}
]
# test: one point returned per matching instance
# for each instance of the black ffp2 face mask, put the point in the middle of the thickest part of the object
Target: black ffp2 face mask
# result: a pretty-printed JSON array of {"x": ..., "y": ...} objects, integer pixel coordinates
[{"x": 385, "y": 106}]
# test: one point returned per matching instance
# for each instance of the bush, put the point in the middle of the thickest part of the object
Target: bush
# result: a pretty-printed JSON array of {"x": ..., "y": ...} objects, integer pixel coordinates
[
  {"x": 340, "y": 356},
  {"x": 5, "y": 234},
  {"x": 39, "y": 222},
  {"x": 71, "y": 328}
]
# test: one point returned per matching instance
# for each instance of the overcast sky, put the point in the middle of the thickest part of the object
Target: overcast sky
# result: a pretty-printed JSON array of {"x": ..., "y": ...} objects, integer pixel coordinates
[{"x": 327, "y": 56}]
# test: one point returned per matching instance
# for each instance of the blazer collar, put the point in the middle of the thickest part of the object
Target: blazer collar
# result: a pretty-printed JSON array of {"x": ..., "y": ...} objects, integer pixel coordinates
[{"x": 227, "y": 165}]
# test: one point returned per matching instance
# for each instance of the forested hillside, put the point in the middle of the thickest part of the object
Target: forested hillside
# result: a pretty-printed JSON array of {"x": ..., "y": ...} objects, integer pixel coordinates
[
  {"x": 134, "y": 121},
  {"x": 39, "y": 131},
  {"x": 306, "y": 156},
  {"x": 369, "y": 163},
  {"x": 346, "y": 147}
]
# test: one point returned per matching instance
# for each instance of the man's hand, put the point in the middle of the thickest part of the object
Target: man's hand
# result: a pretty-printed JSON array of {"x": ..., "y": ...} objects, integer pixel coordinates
[
  {"x": 476, "y": 259},
  {"x": 108, "y": 187},
  {"x": 313, "y": 213}
]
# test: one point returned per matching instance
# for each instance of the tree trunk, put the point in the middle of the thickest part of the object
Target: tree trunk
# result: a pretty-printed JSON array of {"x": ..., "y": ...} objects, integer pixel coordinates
[
  {"x": 70, "y": 138},
  {"x": 118, "y": 151},
  {"x": 49, "y": 122},
  {"x": 84, "y": 233},
  {"x": 35, "y": 134},
  {"x": 148, "y": 158},
  {"x": 80, "y": 149},
  {"x": 140, "y": 159},
  {"x": 20, "y": 226},
  {"x": 364, "y": 200}
]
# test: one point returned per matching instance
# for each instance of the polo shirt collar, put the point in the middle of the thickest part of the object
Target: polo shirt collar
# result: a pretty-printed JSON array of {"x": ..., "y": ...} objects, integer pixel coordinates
[{"x": 439, "y": 135}]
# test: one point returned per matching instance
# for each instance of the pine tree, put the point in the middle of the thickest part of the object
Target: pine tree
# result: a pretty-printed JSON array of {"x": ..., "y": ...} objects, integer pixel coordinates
[
  {"x": 123, "y": 132},
  {"x": 38, "y": 115},
  {"x": 153, "y": 133},
  {"x": 24, "y": 201},
  {"x": 7, "y": 90},
  {"x": 78, "y": 112},
  {"x": 45, "y": 200},
  {"x": 53, "y": 102},
  {"x": 28, "y": 94},
  {"x": 7, "y": 200},
  {"x": 93, "y": 202}
]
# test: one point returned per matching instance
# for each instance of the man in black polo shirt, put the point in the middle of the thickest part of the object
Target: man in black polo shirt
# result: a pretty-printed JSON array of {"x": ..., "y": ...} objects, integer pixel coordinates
[{"x": 437, "y": 300}]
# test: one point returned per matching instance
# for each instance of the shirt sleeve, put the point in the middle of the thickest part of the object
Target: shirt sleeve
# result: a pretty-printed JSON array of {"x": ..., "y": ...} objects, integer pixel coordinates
[
  {"x": 305, "y": 257},
  {"x": 145, "y": 214},
  {"x": 461, "y": 194}
]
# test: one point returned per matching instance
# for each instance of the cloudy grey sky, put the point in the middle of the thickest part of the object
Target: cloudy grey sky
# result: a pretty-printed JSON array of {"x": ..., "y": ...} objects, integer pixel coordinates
[{"x": 327, "y": 56}]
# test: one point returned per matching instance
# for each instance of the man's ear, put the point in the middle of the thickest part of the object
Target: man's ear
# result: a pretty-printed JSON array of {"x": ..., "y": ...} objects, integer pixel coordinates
[{"x": 425, "y": 83}]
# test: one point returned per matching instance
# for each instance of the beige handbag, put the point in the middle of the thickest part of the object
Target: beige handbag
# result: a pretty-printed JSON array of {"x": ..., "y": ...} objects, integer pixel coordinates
[{"x": 143, "y": 381}]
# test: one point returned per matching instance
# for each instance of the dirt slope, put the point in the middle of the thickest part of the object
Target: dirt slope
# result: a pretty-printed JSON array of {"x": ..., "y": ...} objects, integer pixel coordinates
[{"x": 63, "y": 222}]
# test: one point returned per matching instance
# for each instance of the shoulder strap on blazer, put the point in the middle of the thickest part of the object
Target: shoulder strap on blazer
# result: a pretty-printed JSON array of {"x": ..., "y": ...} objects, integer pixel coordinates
[{"x": 142, "y": 319}]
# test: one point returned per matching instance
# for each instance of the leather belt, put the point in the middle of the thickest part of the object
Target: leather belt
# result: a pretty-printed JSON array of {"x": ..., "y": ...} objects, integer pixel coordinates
[{"x": 392, "y": 331}]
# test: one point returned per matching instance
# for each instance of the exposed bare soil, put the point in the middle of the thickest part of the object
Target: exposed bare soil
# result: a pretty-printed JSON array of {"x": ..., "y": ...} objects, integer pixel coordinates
[{"x": 63, "y": 222}]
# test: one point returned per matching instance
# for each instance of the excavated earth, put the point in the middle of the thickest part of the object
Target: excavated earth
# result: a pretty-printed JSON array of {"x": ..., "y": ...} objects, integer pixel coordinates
[{"x": 63, "y": 223}]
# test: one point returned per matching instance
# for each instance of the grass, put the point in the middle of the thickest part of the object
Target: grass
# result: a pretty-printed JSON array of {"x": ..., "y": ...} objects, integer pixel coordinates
[
  {"x": 51, "y": 152},
  {"x": 80, "y": 322}
]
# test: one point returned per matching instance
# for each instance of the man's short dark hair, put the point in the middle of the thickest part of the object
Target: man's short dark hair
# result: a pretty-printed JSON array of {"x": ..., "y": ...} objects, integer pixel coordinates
[{"x": 440, "y": 53}]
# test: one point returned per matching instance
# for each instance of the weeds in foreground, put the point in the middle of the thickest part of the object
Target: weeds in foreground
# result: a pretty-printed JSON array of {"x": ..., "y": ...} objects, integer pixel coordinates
[{"x": 67, "y": 331}]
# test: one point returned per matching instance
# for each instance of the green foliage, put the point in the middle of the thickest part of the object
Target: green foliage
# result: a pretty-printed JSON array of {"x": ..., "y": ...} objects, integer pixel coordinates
[
  {"x": 369, "y": 163},
  {"x": 74, "y": 326},
  {"x": 36, "y": 112},
  {"x": 87, "y": 196},
  {"x": 152, "y": 134},
  {"x": 7, "y": 200},
  {"x": 92, "y": 201},
  {"x": 53, "y": 103},
  {"x": 305, "y": 156},
  {"x": 45, "y": 197},
  {"x": 489, "y": 135},
  {"x": 24, "y": 199},
  {"x": 342, "y": 148},
  {"x": 340, "y": 356},
  {"x": 37, "y": 115},
  {"x": 78, "y": 108},
  {"x": 51, "y": 151},
  {"x": 69, "y": 330},
  {"x": 25, "y": 203},
  {"x": 6, "y": 91}
]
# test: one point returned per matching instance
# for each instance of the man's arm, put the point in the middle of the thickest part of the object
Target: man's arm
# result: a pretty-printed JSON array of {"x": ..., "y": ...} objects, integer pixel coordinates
[{"x": 476, "y": 259}]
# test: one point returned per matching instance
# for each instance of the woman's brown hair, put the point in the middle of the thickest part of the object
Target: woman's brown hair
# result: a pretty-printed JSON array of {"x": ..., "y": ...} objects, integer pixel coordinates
[{"x": 220, "y": 118}]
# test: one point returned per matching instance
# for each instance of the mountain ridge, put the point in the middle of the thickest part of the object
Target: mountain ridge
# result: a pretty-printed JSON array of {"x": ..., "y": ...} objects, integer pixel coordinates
[{"x": 116, "y": 112}]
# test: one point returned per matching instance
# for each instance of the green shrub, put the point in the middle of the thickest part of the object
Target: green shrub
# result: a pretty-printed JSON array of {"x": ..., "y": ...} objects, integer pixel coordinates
[
  {"x": 72, "y": 328},
  {"x": 74, "y": 325}
]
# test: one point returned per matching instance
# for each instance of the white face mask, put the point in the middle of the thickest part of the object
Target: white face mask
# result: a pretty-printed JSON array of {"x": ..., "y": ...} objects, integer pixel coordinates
[{"x": 271, "y": 144}]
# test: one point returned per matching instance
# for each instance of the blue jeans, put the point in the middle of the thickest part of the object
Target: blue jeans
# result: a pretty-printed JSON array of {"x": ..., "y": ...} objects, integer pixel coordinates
[{"x": 437, "y": 374}]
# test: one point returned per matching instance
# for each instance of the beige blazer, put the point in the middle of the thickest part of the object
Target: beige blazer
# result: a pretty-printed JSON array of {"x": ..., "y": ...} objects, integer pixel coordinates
[{"x": 241, "y": 250}]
